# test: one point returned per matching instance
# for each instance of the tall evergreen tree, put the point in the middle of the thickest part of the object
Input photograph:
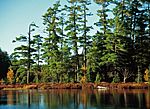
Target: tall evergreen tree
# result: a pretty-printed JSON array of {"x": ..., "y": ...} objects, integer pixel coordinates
[
  {"x": 73, "y": 30},
  {"x": 85, "y": 38},
  {"x": 21, "y": 58},
  {"x": 64, "y": 50},
  {"x": 37, "y": 43},
  {"x": 51, "y": 21},
  {"x": 122, "y": 41},
  {"x": 54, "y": 46},
  {"x": 108, "y": 55}
]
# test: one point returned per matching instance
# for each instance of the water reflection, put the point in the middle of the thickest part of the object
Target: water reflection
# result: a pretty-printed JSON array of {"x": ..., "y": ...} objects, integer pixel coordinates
[{"x": 75, "y": 99}]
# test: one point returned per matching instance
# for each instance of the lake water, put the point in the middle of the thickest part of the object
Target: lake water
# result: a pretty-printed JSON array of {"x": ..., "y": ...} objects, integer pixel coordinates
[{"x": 75, "y": 99}]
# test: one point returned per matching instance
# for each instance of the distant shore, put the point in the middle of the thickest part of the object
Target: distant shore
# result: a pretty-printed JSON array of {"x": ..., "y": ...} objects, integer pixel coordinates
[{"x": 75, "y": 86}]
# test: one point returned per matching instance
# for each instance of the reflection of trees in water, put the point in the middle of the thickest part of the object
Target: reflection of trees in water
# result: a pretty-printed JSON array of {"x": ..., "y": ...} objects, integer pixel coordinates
[
  {"x": 10, "y": 97},
  {"x": 74, "y": 99},
  {"x": 62, "y": 98},
  {"x": 148, "y": 100},
  {"x": 123, "y": 99}
]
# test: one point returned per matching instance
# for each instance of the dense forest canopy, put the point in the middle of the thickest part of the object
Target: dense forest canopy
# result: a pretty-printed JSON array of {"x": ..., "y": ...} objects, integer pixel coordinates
[
  {"x": 4, "y": 64},
  {"x": 118, "y": 51}
]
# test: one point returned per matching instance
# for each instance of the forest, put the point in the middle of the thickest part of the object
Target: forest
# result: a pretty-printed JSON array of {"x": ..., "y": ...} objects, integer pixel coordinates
[{"x": 118, "y": 50}]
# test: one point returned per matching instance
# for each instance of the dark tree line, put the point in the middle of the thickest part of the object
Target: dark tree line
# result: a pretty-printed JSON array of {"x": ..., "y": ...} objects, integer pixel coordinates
[
  {"x": 4, "y": 64},
  {"x": 118, "y": 51}
]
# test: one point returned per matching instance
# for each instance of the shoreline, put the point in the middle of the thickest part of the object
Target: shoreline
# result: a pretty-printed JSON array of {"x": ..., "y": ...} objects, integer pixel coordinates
[{"x": 101, "y": 85}]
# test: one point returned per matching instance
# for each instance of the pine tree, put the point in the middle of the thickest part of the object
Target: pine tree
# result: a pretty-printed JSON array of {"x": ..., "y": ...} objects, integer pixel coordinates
[
  {"x": 54, "y": 45},
  {"x": 121, "y": 40},
  {"x": 85, "y": 38},
  {"x": 93, "y": 57},
  {"x": 108, "y": 55},
  {"x": 37, "y": 43},
  {"x": 140, "y": 37},
  {"x": 73, "y": 30},
  {"x": 64, "y": 50},
  {"x": 51, "y": 21},
  {"x": 21, "y": 58}
]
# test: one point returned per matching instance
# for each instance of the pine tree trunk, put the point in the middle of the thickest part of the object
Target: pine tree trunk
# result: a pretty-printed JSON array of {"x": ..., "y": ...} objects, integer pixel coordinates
[
  {"x": 29, "y": 43},
  {"x": 149, "y": 17},
  {"x": 138, "y": 80},
  {"x": 85, "y": 41}
]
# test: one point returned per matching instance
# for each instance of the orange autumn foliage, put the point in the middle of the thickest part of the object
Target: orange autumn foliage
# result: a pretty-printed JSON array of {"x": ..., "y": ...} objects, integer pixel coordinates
[
  {"x": 83, "y": 79},
  {"x": 10, "y": 76},
  {"x": 146, "y": 75}
]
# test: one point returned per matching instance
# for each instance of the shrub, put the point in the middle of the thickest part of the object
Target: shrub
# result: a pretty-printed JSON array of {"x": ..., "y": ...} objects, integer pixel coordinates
[{"x": 10, "y": 76}]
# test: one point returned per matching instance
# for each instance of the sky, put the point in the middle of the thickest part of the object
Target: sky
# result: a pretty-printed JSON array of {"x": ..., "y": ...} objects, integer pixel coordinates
[{"x": 17, "y": 15}]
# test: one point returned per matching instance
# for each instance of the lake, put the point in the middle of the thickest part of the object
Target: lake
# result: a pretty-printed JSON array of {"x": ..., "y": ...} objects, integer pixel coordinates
[{"x": 74, "y": 99}]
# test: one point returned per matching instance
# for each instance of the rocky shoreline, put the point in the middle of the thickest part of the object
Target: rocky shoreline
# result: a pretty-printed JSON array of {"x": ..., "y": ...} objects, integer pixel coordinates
[{"x": 102, "y": 85}]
